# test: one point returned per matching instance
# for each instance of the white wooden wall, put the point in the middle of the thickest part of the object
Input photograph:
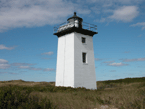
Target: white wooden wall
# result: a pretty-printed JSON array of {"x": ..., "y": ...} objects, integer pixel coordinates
[{"x": 71, "y": 71}]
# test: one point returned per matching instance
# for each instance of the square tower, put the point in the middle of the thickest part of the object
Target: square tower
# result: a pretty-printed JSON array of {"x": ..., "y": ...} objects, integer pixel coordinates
[{"x": 75, "y": 54}]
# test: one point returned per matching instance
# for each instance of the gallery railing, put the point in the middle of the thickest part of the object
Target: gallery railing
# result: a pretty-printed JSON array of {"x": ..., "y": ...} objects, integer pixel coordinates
[{"x": 67, "y": 25}]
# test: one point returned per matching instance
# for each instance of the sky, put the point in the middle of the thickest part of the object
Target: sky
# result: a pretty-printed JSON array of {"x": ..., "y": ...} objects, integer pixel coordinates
[{"x": 28, "y": 48}]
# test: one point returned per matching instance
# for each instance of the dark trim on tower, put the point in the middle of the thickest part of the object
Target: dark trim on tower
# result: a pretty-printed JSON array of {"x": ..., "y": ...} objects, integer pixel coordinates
[{"x": 75, "y": 29}]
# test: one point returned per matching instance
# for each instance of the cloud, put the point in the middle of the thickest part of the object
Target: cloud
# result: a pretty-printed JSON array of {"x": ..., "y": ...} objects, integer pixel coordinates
[
  {"x": 3, "y": 72},
  {"x": 133, "y": 60},
  {"x": 36, "y": 69},
  {"x": 102, "y": 19},
  {"x": 115, "y": 10},
  {"x": 48, "y": 53},
  {"x": 115, "y": 1},
  {"x": 47, "y": 58},
  {"x": 3, "y": 61},
  {"x": 22, "y": 71},
  {"x": 7, "y": 72},
  {"x": 4, "y": 66},
  {"x": 117, "y": 64},
  {"x": 125, "y": 13},
  {"x": 112, "y": 70},
  {"x": 24, "y": 67},
  {"x": 30, "y": 68},
  {"x": 30, "y": 13},
  {"x": 108, "y": 61},
  {"x": 35, "y": 13},
  {"x": 98, "y": 59},
  {"x": 140, "y": 24},
  {"x": 139, "y": 35},
  {"x": 2, "y": 47},
  {"x": 13, "y": 73},
  {"x": 22, "y": 64},
  {"x": 48, "y": 69}
]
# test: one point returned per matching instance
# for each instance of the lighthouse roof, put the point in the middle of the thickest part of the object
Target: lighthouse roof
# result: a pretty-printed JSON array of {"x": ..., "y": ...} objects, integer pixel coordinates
[
  {"x": 75, "y": 24},
  {"x": 75, "y": 17}
]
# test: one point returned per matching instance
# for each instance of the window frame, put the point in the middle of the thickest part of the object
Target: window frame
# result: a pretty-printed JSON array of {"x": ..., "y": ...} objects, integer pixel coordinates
[
  {"x": 84, "y": 58},
  {"x": 84, "y": 40}
]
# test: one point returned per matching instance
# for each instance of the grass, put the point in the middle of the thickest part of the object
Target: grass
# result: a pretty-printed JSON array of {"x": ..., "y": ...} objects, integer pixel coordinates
[{"x": 126, "y": 93}]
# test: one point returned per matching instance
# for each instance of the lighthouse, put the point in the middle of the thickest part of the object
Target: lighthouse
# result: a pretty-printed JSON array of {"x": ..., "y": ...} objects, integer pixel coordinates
[{"x": 75, "y": 55}]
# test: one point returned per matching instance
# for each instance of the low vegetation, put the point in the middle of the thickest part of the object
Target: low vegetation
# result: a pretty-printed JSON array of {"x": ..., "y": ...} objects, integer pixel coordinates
[{"x": 126, "y": 93}]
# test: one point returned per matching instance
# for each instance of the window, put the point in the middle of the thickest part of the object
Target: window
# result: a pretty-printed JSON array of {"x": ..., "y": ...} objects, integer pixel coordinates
[
  {"x": 84, "y": 57},
  {"x": 83, "y": 40}
]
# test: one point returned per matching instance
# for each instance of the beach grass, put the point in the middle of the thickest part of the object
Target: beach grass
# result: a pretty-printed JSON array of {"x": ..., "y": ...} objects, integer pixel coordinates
[{"x": 126, "y": 93}]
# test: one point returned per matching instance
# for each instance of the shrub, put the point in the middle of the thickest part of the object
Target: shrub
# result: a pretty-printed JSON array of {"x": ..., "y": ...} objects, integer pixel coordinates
[{"x": 13, "y": 97}]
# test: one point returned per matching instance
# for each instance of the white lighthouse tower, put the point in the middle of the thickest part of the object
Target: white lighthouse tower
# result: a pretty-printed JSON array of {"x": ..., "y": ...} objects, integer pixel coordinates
[{"x": 75, "y": 54}]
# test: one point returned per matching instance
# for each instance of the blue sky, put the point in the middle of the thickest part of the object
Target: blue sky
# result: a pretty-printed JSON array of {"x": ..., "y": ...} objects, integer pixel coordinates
[{"x": 28, "y": 48}]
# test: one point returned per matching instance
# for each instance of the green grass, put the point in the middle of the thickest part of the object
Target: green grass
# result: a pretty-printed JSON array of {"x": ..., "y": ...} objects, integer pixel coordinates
[
  {"x": 126, "y": 93},
  {"x": 17, "y": 97},
  {"x": 126, "y": 80}
]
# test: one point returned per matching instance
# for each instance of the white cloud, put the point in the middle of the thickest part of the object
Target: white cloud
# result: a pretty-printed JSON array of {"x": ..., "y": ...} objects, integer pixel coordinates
[
  {"x": 112, "y": 70},
  {"x": 105, "y": 2},
  {"x": 133, "y": 60},
  {"x": 98, "y": 59},
  {"x": 29, "y": 13},
  {"x": 125, "y": 13},
  {"x": 3, "y": 72},
  {"x": 7, "y": 72},
  {"x": 102, "y": 20},
  {"x": 14, "y": 73},
  {"x": 30, "y": 68},
  {"x": 36, "y": 69},
  {"x": 4, "y": 47},
  {"x": 117, "y": 64},
  {"x": 4, "y": 66},
  {"x": 108, "y": 61},
  {"x": 115, "y": 10},
  {"x": 22, "y": 64},
  {"x": 139, "y": 35},
  {"x": 47, "y": 58},
  {"x": 48, "y": 53},
  {"x": 24, "y": 67},
  {"x": 140, "y": 24},
  {"x": 3, "y": 61},
  {"x": 48, "y": 69}
]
